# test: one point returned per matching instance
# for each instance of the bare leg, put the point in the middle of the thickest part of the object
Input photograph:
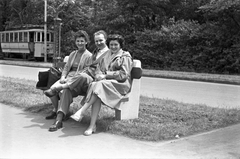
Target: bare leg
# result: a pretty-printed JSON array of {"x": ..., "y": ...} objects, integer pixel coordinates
[
  {"x": 95, "y": 111},
  {"x": 94, "y": 114},
  {"x": 79, "y": 114}
]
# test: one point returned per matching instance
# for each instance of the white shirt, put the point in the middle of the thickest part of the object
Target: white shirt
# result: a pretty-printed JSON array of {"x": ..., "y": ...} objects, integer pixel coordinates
[{"x": 100, "y": 52}]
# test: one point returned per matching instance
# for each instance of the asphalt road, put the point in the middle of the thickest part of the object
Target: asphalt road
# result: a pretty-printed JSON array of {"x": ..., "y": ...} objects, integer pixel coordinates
[{"x": 211, "y": 94}]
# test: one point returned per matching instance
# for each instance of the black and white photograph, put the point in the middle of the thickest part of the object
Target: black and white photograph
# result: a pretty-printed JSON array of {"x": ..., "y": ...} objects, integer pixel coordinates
[{"x": 120, "y": 79}]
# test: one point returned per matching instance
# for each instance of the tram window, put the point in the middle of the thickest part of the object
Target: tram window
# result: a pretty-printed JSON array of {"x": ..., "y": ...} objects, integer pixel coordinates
[
  {"x": 11, "y": 37},
  {"x": 48, "y": 37},
  {"x": 15, "y": 37},
  {"x": 25, "y": 36},
  {"x": 43, "y": 37},
  {"x": 35, "y": 37},
  {"x": 52, "y": 37},
  {"x": 20, "y": 36},
  {"x": 7, "y": 37},
  {"x": 3, "y": 37},
  {"x": 31, "y": 36},
  {"x": 38, "y": 37}
]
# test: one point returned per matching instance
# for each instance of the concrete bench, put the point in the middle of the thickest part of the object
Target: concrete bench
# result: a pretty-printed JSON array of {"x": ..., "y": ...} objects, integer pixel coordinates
[{"x": 129, "y": 106}]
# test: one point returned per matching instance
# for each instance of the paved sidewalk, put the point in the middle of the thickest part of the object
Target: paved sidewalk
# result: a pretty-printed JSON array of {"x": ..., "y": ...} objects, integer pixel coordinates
[{"x": 25, "y": 135}]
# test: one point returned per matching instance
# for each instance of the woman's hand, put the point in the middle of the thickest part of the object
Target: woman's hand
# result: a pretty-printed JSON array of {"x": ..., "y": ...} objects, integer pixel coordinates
[
  {"x": 62, "y": 80},
  {"x": 100, "y": 77}
]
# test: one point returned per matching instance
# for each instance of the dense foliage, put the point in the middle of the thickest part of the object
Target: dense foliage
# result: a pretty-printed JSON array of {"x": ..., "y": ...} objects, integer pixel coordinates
[{"x": 179, "y": 35}]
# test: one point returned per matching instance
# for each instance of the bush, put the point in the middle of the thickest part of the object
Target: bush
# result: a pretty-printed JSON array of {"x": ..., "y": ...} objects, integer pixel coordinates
[{"x": 187, "y": 46}]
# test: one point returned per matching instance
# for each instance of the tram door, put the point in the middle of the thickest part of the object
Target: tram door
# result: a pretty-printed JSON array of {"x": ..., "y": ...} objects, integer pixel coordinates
[{"x": 31, "y": 45}]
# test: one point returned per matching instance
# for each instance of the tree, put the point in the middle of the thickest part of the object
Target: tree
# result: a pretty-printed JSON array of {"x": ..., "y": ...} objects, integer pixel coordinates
[
  {"x": 226, "y": 15},
  {"x": 74, "y": 16},
  {"x": 22, "y": 12},
  {"x": 4, "y": 13}
]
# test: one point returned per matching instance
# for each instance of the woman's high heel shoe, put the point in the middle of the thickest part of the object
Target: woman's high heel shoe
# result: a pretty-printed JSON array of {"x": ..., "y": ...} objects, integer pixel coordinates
[
  {"x": 76, "y": 117},
  {"x": 89, "y": 132}
]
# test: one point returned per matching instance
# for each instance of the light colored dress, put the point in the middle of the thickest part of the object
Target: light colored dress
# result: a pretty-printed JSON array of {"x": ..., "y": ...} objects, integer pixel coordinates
[{"x": 118, "y": 79}]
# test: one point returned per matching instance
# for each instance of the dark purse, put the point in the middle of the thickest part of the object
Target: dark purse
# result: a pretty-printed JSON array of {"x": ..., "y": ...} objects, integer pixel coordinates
[{"x": 47, "y": 78}]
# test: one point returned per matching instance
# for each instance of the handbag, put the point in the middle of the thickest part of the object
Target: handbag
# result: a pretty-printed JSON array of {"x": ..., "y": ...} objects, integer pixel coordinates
[
  {"x": 42, "y": 80},
  {"x": 47, "y": 78}
]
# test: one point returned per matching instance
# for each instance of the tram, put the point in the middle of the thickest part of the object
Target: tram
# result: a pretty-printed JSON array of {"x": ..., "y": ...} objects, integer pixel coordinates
[{"x": 29, "y": 43}]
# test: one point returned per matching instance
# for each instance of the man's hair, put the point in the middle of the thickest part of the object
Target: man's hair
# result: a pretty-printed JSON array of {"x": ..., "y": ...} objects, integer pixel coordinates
[{"x": 101, "y": 32}]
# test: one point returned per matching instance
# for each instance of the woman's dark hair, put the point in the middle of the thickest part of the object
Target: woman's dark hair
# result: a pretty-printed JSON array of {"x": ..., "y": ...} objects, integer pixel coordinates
[
  {"x": 83, "y": 34},
  {"x": 117, "y": 37}
]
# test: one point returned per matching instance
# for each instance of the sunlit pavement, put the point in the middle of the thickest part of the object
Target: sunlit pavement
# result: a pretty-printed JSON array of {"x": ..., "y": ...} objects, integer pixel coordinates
[{"x": 26, "y": 135}]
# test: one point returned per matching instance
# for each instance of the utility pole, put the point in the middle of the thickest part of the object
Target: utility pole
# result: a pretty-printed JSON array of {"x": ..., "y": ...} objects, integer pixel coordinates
[
  {"x": 59, "y": 52},
  {"x": 45, "y": 30},
  {"x": 57, "y": 31},
  {"x": 57, "y": 40}
]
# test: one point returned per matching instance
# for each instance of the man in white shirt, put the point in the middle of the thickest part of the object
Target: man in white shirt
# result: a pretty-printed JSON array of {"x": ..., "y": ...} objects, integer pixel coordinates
[{"x": 100, "y": 38}]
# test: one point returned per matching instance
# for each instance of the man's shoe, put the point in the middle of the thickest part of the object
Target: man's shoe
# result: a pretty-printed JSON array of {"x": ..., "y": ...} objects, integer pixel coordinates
[
  {"x": 50, "y": 92},
  {"x": 56, "y": 125},
  {"x": 53, "y": 115}
]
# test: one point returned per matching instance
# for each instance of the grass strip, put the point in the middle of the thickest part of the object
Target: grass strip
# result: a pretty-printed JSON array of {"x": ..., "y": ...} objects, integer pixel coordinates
[
  {"x": 193, "y": 76},
  {"x": 159, "y": 119}
]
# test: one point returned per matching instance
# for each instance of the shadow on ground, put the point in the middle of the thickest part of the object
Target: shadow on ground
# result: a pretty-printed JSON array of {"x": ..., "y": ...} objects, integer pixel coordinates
[{"x": 70, "y": 127}]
